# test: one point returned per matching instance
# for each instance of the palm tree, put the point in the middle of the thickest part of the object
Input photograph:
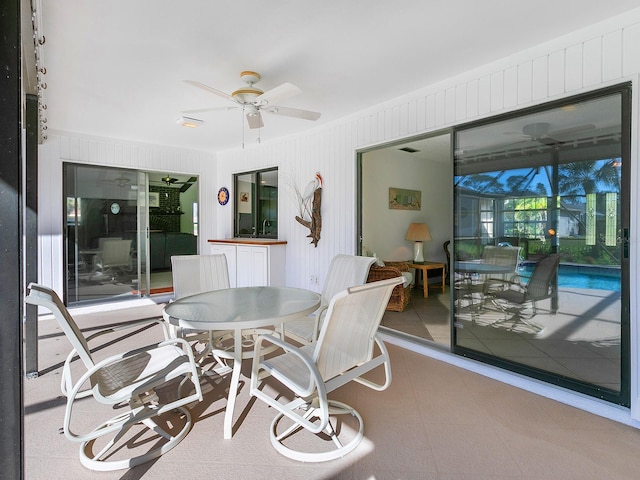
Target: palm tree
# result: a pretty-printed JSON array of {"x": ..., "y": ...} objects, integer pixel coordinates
[{"x": 589, "y": 177}]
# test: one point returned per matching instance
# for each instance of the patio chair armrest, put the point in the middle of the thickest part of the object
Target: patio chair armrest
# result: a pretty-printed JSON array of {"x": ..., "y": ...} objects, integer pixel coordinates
[
  {"x": 317, "y": 320},
  {"x": 316, "y": 388},
  {"x": 132, "y": 324},
  {"x": 78, "y": 392},
  {"x": 516, "y": 281},
  {"x": 381, "y": 359},
  {"x": 315, "y": 380},
  {"x": 66, "y": 382},
  {"x": 113, "y": 359}
]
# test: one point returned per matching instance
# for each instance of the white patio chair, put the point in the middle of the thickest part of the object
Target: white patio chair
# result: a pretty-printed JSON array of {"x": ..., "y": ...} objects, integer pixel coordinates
[
  {"x": 129, "y": 378},
  {"x": 504, "y": 256},
  {"x": 344, "y": 271},
  {"x": 193, "y": 274},
  {"x": 113, "y": 259},
  {"x": 343, "y": 352}
]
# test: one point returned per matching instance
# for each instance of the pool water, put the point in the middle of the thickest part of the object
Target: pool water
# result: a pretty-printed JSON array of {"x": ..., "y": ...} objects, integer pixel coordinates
[{"x": 583, "y": 276}]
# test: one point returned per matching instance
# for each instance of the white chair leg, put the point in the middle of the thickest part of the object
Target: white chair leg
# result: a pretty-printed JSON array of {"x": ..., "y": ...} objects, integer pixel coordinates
[
  {"x": 337, "y": 450},
  {"x": 100, "y": 461}
]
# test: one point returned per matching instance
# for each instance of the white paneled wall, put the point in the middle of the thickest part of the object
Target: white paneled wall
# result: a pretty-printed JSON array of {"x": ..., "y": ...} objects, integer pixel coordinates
[
  {"x": 61, "y": 147},
  {"x": 602, "y": 55}
]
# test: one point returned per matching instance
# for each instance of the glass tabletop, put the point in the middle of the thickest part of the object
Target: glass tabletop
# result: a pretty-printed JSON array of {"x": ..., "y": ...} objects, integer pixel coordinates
[
  {"x": 241, "y": 308},
  {"x": 481, "y": 267}
]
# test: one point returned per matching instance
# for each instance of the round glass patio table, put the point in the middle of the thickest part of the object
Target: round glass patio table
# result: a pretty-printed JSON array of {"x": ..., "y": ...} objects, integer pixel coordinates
[
  {"x": 239, "y": 309},
  {"x": 481, "y": 268}
]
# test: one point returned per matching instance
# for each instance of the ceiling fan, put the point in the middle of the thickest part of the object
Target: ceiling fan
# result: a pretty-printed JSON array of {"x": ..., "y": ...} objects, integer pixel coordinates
[
  {"x": 253, "y": 101},
  {"x": 168, "y": 180},
  {"x": 539, "y": 132},
  {"x": 121, "y": 181}
]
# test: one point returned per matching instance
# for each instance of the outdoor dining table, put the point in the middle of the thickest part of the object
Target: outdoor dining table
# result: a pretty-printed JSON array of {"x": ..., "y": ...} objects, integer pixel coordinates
[
  {"x": 481, "y": 268},
  {"x": 470, "y": 268},
  {"x": 239, "y": 309}
]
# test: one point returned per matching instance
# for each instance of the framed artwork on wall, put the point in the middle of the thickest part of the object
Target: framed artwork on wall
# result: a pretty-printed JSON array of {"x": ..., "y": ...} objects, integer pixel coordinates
[
  {"x": 244, "y": 201},
  {"x": 403, "y": 199},
  {"x": 154, "y": 199}
]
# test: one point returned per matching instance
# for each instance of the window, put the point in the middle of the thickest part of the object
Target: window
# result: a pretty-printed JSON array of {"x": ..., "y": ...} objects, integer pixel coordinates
[
  {"x": 256, "y": 204},
  {"x": 525, "y": 217}
]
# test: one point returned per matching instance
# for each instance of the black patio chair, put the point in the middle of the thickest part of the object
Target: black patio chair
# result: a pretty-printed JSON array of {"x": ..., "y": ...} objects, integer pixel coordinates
[{"x": 520, "y": 298}]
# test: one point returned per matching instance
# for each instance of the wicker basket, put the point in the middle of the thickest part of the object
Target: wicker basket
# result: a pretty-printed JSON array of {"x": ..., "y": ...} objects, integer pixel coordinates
[{"x": 400, "y": 296}]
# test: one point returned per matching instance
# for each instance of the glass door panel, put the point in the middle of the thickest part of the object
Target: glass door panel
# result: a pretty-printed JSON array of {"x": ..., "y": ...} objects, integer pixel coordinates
[
  {"x": 122, "y": 227},
  {"x": 100, "y": 233},
  {"x": 548, "y": 182}
]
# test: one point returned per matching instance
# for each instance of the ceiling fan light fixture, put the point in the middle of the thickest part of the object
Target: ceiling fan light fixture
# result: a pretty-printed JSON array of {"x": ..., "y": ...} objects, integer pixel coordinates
[
  {"x": 247, "y": 95},
  {"x": 536, "y": 130},
  {"x": 189, "y": 122},
  {"x": 121, "y": 181}
]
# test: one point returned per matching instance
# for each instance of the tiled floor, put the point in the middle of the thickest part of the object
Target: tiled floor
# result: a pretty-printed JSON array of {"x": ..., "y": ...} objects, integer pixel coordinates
[
  {"x": 581, "y": 340},
  {"x": 436, "y": 421}
]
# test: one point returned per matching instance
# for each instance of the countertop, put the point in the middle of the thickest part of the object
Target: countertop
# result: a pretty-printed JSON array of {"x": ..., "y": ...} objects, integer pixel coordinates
[{"x": 251, "y": 241}]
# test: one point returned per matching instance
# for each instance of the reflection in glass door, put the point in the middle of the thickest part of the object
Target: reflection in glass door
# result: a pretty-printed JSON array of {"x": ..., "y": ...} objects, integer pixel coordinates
[
  {"x": 101, "y": 225},
  {"x": 122, "y": 227},
  {"x": 549, "y": 182}
]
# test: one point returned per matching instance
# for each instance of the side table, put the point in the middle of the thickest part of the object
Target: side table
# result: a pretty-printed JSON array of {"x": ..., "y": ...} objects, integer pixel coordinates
[{"x": 424, "y": 267}]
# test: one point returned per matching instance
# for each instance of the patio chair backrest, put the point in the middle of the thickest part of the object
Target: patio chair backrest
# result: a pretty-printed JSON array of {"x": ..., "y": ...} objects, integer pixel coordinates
[
  {"x": 540, "y": 285},
  {"x": 116, "y": 253},
  {"x": 46, "y": 297},
  {"x": 348, "y": 333},
  {"x": 101, "y": 241},
  {"x": 194, "y": 274},
  {"x": 505, "y": 256},
  {"x": 345, "y": 271}
]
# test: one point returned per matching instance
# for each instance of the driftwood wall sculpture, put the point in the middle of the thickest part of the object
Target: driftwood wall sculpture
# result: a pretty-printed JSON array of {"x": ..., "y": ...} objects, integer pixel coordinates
[{"x": 310, "y": 202}]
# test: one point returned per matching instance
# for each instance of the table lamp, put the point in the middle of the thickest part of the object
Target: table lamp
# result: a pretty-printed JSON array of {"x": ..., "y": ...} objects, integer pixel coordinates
[{"x": 417, "y": 233}]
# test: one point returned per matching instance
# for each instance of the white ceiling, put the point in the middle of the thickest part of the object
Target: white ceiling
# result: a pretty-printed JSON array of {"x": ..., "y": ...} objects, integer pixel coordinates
[{"x": 115, "y": 68}]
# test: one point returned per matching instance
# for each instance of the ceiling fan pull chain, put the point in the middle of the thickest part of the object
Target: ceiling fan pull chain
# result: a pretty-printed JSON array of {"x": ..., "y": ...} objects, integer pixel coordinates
[{"x": 242, "y": 122}]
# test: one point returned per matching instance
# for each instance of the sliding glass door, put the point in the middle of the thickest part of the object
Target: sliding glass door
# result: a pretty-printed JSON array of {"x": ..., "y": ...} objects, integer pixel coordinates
[
  {"x": 122, "y": 227},
  {"x": 550, "y": 181},
  {"x": 101, "y": 226}
]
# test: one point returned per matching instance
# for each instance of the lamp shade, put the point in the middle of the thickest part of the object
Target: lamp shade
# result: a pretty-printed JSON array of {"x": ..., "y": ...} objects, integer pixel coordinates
[{"x": 418, "y": 232}]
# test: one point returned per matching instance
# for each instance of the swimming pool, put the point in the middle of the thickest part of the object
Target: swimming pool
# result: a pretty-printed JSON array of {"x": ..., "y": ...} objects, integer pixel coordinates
[{"x": 583, "y": 276}]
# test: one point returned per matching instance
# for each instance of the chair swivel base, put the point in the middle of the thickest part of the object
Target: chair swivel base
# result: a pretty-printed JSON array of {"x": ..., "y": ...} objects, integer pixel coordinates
[
  {"x": 338, "y": 448},
  {"x": 100, "y": 462}
]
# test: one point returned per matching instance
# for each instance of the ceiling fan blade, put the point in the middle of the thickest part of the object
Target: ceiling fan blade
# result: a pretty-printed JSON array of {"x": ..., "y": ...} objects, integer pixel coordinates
[
  {"x": 255, "y": 120},
  {"x": 212, "y": 109},
  {"x": 286, "y": 90},
  {"x": 550, "y": 141},
  {"x": 570, "y": 130},
  {"x": 209, "y": 89},
  {"x": 293, "y": 112}
]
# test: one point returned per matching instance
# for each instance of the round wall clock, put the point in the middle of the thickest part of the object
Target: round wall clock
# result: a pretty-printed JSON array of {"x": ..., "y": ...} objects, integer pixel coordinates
[
  {"x": 223, "y": 196},
  {"x": 115, "y": 208}
]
